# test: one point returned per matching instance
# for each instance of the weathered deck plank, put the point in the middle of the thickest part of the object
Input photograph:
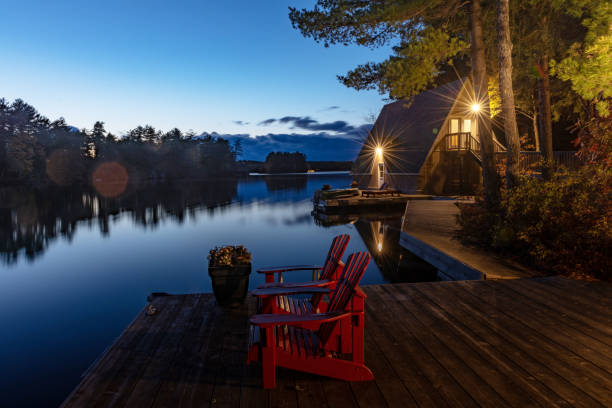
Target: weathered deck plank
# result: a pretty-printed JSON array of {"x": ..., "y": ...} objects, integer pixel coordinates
[
  {"x": 516, "y": 344},
  {"x": 539, "y": 347},
  {"x": 491, "y": 343},
  {"x": 487, "y": 372}
]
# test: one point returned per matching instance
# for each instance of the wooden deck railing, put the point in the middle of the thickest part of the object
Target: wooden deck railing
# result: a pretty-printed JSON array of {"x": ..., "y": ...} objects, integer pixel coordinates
[
  {"x": 464, "y": 141},
  {"x": 461, "y": 141},
  {"x": 467, "y": 142},
  {"x": 531, "y": 160}
]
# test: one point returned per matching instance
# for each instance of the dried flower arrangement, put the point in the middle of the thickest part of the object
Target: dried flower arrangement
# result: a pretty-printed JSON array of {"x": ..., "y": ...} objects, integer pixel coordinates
[{"x": 229, "y": 255}]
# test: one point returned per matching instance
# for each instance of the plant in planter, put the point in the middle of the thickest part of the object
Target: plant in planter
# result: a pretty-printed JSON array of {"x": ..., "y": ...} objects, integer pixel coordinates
[{"x": 229, "y": 268}]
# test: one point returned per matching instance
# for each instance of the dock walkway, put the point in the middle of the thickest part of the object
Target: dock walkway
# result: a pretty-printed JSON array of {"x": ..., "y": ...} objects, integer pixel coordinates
[
  {"x": 428, "y": 231},
  {"x": 359, "y": 203},
  {"x": 524, "y": 342}
]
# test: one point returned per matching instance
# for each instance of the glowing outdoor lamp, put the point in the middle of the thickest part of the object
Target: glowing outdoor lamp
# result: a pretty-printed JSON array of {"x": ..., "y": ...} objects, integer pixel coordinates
[
  {"x": 476, "y": 108},
  {"x": 379, "y": 151}
]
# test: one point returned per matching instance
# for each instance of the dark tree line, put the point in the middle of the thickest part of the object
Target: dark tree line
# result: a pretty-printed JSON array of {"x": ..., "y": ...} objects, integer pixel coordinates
[{"x": 36, "y": 150}]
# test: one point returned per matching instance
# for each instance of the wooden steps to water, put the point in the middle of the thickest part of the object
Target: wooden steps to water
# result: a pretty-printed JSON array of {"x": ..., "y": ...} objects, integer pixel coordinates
[{"x": 522, "y": 342}]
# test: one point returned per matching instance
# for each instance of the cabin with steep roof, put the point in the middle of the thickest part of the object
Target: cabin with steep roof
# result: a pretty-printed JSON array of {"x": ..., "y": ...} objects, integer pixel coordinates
[{"x": 428, "y": 144}]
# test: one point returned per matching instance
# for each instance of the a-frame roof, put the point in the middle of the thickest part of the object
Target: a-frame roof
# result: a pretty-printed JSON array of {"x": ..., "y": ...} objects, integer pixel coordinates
[{"x": 407, "y": 129}]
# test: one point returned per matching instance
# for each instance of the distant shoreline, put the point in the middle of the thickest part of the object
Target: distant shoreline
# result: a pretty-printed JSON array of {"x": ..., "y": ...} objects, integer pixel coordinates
[{"x": 316, "y": 173}]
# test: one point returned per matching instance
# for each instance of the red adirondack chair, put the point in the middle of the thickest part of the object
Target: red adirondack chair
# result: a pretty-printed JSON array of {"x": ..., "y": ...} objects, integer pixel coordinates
[
  {"x": 325, "y": 276},
  {"x": 316, "y": 342},
  {"x": 321, "y": 276}
]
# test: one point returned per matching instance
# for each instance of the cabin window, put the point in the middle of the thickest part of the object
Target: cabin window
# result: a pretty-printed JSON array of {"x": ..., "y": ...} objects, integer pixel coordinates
[
  {"x": 467, "y": 125},
  {"x": 454, "y": 126},
  {"x": 453, "y": 140}
]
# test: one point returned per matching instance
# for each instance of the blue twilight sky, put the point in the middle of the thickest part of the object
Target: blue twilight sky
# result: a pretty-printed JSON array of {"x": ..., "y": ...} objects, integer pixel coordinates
[{"x": 209, "y": 66}]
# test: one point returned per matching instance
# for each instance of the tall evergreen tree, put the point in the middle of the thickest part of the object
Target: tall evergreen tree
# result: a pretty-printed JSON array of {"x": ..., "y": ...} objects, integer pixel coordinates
[
  {"x": 150, "y": 135},
  {"x": 237, "y": 148},
  {"x": 507, "y": 93},
  {"x": 480, "y": 83}
]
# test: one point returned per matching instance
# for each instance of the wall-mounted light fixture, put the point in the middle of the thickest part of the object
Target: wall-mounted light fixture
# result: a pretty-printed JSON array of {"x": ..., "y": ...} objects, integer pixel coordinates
[{"x": 476, "y": 108}]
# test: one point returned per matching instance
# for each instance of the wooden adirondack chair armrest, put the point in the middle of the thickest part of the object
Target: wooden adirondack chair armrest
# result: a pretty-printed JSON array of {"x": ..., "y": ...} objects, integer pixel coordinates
[
  {"x": 271, "y": 320},
  {"x": 281, "y": 269},
  {"x": 280, "y": 291},
  {"x": 323, "y": 283},
  {"x": 360, "y": 293}
]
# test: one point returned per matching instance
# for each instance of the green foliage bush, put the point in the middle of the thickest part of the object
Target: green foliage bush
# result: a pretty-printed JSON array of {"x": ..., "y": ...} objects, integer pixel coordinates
[{"x": 562, "y": 225}]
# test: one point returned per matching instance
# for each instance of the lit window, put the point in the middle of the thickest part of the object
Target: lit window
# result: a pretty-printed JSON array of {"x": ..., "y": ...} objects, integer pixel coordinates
[
  {"x": 467, "y": 125},
  {"x": 454, "y": 126}
]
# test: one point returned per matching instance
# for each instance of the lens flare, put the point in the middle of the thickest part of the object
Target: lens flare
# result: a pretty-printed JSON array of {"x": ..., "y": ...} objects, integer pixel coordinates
[
  {"x": 110, "y": 179},
  {"x": 476, "y": 107}
]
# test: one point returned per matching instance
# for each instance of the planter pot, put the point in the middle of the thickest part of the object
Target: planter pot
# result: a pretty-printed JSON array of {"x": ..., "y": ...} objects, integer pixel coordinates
[{"x": 230, "y": 284}]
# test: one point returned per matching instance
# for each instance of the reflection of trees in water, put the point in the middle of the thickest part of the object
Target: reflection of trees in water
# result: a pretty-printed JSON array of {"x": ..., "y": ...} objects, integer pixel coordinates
[
  {"x": 381, "y": 237},
  {"x": 30, "y": 219},
  {"x": 279, "y": 183}
]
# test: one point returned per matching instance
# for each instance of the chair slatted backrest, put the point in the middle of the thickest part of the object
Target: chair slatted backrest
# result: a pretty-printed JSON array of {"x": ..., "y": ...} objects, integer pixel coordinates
[
  {"x": 351, "y": 275},
  {"x": 334, "y": 256}
]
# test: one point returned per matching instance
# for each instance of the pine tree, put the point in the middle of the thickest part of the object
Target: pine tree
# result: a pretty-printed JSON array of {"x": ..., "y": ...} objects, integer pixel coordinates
[
  {"x": 507, "y": 92},
  {"x": 237, "y": 149}
]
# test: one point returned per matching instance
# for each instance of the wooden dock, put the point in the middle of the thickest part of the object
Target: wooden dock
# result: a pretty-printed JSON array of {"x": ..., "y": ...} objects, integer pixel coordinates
[
  {"x": 356, "y": 204},
  {"x": 428, "y": 231},
  {"x": 524, "y": 342}
]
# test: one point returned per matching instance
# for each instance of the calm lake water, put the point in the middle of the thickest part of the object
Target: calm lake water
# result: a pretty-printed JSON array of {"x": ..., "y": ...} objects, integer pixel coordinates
[{"x": 76, "y": 267}]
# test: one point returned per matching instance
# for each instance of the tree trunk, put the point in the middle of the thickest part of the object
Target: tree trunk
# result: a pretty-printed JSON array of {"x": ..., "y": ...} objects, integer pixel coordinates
[
  {"x": 545, "y": 118},
  {"x": 504, "y": 44},
  {"x": 544, "y": 114},
  {"x": 534, "y": 123},
  {"x": 479, "y": 79}
]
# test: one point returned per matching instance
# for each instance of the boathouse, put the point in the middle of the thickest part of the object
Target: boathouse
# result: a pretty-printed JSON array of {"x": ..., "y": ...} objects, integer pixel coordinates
[{"x": 428, "y": 144}]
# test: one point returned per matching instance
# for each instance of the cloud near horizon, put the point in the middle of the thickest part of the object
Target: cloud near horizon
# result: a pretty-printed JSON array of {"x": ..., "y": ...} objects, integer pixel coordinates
[
  {"x": 266, "y": 122},
  {"x": 307, "y": 123},
  {"x": 320, "y": 146}
]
